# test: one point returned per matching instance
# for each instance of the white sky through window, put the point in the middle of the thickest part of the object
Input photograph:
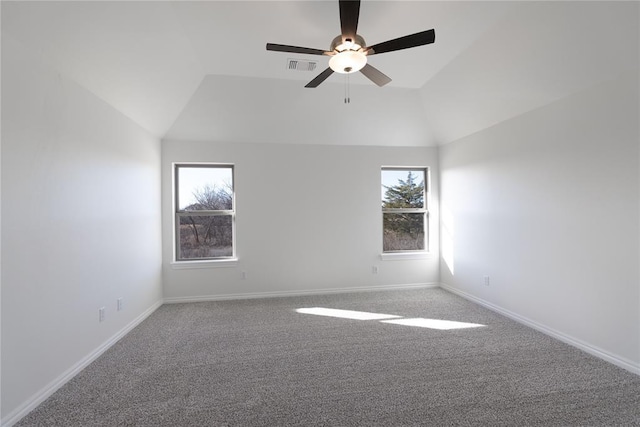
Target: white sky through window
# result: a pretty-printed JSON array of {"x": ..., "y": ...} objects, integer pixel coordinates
[{"x": 191, "y": 179}]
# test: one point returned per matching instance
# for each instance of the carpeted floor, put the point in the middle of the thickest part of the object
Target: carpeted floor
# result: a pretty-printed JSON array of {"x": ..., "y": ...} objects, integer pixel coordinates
[{"x": 261, "y": 363}]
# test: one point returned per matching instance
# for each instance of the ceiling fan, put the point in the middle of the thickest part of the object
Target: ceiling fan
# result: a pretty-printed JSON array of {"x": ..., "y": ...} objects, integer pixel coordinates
[{"x": 349, "y": 52}]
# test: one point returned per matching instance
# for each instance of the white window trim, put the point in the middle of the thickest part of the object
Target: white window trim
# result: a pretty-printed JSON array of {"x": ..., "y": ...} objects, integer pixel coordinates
[
  {"x": 207, "y": 263},
  {"x": 411, "y": 255},
  {"x": 408, "y": 255},
  {"x": 179, "y": 264}
]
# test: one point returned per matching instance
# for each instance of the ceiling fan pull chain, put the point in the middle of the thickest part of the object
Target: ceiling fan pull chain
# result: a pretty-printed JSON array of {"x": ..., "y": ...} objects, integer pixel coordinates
[
  {"x": 349, "y": 52},
  {"x": 347, "y": 98},
  {"x": 345, "y": 88}
]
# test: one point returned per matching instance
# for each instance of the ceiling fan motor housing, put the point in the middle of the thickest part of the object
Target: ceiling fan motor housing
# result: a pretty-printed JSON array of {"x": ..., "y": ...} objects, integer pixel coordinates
[
  {"x": 349, "y": 51},
  {"x": 336, "y": 43}
]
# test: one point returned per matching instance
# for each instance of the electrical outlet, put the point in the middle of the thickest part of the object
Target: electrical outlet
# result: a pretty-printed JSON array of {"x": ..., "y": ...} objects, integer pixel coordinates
[
  {"x": 486, "y": 280},
  {"x": 374, "y": 269},
  {"x": 243, "y": 275},
  {"x": 120, "y": 304},
  {"x": 101, "y": 314}
]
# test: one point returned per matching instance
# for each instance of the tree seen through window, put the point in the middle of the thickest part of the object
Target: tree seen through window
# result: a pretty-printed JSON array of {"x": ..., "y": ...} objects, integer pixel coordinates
[
  {"x": 205, "y": 212},
  {"x": 403, "y": 210}
]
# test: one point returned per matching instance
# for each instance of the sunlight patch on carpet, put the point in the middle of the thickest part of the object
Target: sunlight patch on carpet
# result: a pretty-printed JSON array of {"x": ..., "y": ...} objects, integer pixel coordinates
[
  {"x": 433, "y": 323},
  {"x": 345, "y": 314}
]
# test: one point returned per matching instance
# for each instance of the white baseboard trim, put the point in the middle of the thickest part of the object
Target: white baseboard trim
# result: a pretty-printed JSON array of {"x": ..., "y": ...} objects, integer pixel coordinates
[
  {"x": 297, "y": 293},
  {"x": 35, "y": 400},
  {"x": 622, "y": 362}
]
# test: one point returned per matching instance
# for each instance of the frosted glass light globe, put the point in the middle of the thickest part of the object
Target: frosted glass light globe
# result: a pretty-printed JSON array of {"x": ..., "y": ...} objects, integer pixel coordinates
[{"x": 348, "y": 61}]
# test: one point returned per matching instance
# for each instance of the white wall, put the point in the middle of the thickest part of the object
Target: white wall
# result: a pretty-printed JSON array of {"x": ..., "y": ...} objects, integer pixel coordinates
[
  {"x": 547, "y": 205},
  {"x": 80, "y": 226},
  {"x": 240, "y": 109},
  {"x": 517, "y": 66},
  {"x": 308, "y": 218},
  {"x": 0, "y": 231}
]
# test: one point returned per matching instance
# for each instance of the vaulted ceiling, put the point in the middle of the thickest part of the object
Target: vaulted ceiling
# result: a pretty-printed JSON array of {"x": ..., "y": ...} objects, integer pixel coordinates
[{"x": 199, "y": 70}]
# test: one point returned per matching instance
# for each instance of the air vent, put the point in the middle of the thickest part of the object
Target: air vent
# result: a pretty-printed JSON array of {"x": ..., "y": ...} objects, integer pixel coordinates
[{"x": 301, "y": 65}]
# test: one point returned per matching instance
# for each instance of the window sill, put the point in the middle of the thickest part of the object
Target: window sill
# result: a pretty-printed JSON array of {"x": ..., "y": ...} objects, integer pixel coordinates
[
  {"x": 209, "y": 263},
  {"x": 401, "y": 256}
]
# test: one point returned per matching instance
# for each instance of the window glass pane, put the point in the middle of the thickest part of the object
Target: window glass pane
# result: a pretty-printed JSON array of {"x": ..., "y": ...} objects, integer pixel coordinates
[
  {"x": 205, "y": 188},
  {"x": 205, "y": 236},
  {"x": 403, "y": 188},
  {"x": 403, "y": 232}
]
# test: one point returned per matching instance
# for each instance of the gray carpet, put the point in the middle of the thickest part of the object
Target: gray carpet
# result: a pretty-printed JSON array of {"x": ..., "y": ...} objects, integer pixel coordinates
[{"x": 260, "y": 363}]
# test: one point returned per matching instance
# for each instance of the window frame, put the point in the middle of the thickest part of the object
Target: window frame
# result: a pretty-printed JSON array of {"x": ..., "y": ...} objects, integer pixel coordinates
[
  {"x": 408, "y": 253},
  {"x": 179, "y": 213}
]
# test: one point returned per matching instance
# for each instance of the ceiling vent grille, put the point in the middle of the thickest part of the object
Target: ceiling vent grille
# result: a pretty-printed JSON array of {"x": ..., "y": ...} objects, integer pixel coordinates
[{"x": 301, "y": 65}]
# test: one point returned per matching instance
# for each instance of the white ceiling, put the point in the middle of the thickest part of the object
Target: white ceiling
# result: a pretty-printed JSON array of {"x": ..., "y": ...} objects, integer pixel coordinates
[
  {"x": 155, "y": 61},
  {"x": 229, "y": 38}
]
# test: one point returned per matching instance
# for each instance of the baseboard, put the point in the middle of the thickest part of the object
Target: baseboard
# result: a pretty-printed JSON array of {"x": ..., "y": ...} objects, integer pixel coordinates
[
  {"x": 276, "y": 294},
  {"x": 54, "y": 385},
  {"x": 622, "y": 362}
]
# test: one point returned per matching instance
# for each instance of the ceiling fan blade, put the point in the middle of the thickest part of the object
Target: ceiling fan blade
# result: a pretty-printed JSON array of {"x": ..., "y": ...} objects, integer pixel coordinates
[
  {"x": 295, "y": 49},
  {"x": 375, "y": 75},
  {"x": 320, "y": 78},
  {"x": 406, "y": 42},
  {"x": 349, "y": 13}
]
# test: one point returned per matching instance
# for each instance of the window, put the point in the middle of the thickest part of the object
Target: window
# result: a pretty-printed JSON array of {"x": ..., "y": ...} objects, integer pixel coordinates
[
  {"x": 205, "y": 212},
  {"x": 404, "y": 209}
]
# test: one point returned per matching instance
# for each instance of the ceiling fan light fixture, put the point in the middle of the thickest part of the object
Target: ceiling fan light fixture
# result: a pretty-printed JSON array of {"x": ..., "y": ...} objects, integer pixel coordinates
[
  {"x": 349, "y": 51},
  {"x": 348, "y": 61}
]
